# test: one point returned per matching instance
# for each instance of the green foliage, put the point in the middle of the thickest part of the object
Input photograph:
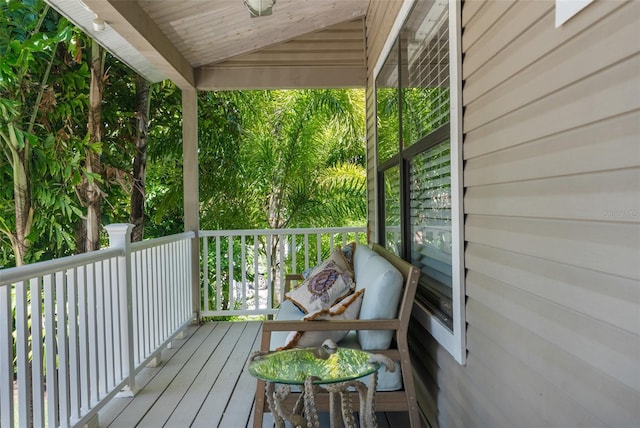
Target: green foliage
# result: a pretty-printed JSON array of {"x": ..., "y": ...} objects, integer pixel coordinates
[
  {"x": 222, "y": 163},
  {"x": 295, "y": 148},
  {"x": 423, "y": 111},
  {"x": 42, "y": 93},
  {"x": 266, "y": 158},
  {"x": 388, "y": 123}
]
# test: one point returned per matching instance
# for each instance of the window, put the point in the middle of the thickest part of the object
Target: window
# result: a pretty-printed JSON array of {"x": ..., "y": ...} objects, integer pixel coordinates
[
  {"x": 391, "y": 200},
  {"x": 419, "y": 164},
  {"x": 387, "y": 102}
]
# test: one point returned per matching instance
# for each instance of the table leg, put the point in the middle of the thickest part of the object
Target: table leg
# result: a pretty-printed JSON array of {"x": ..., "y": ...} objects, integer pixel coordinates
[
  {"x": 310, "y": 404},
  {"x": 370, "y": 419},
  {"x": 275, "y": 399},
  {"x": 335, "y": 409},
  {"x": 366, "y": 393},
  {"x": 271, "y": 400},
  {"x": 347, "y": 409}
]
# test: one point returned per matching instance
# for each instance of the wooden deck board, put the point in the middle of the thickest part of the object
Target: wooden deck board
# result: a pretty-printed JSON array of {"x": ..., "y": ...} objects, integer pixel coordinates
[
  {"x": 139, "y": 405},
  {"x": 239, "y": 412},
  {"x": 215, "y": 405},
  {"x": 204, "y": 375},
  {"x": 169, "y": 404},
  {"x": 202, "y": 382}
]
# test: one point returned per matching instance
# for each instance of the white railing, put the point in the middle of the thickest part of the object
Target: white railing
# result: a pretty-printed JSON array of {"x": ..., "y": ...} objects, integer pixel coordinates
[
  {"x": 243, "y": 271},
  {"x": 75, "y": 331}
]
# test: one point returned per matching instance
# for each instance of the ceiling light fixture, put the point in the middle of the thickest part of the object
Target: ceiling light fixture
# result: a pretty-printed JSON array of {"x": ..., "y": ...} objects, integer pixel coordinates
[
  {"x": 259, "y": 7},
  {"x": 98, "y": 25}
]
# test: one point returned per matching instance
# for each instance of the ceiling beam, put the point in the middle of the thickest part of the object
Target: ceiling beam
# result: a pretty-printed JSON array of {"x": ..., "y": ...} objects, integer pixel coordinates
[
  {"x": 133, "y": 24},
  {"x": 213, "y": 78}
]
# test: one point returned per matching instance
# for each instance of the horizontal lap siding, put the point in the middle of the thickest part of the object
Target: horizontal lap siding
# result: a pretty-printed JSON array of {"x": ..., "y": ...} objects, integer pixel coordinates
[
  {"x": 380, "y": 19},
  {"x": 552, "y": 203}
]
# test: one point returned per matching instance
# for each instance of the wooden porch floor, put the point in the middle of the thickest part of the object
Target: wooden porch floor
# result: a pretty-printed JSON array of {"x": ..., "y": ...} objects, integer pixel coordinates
[{"x": 202, "y": 382}]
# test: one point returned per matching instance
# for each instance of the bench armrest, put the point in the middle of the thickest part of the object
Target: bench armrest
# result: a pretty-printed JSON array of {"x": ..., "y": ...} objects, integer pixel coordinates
[{"x": 333, "y": 325}]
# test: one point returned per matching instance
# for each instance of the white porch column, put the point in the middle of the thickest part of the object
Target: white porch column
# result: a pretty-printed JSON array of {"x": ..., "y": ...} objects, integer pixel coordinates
[{"x": 191, "y": 189}]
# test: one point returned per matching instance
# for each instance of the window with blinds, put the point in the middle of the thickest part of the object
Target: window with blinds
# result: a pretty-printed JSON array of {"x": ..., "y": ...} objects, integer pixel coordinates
[
  {"x": 425, "y": 71},
  {"x": 416, "y": 200},
  {"x": 425, "y": 124},
  {"x": 430, "y": 213},
  {"x": 430, "y": 226}
]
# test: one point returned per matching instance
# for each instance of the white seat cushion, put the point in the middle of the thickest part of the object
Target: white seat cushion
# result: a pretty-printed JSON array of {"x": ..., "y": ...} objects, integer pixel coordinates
[
  {"x": 287, "y": 312},
  {"x": 387, "y": 381},
  {"x": 383, "y": 283}
]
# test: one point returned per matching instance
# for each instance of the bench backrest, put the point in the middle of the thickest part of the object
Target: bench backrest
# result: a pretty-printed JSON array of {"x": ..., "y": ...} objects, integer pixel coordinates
[{"x": 411, "y": 274}]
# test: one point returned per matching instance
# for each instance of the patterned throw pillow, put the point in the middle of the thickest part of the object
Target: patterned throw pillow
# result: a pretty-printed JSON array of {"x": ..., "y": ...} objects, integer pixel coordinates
[
  {"x": 347, "y": 309},
  {"x": 347, "y": 251},
  {"x": 328, "y": 283}
]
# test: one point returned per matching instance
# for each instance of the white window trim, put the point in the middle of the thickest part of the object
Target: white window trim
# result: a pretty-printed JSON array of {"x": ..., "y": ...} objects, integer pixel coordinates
[
  {"x": 454, "y": 342},
  {"x": 458, "y": 348},
  {"x": 566, "y": 9},
  {"x": 393, "y": 35}
]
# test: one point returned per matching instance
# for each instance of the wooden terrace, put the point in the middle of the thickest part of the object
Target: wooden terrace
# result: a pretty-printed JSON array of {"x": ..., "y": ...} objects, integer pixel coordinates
[{"x": 202, "y": 381}]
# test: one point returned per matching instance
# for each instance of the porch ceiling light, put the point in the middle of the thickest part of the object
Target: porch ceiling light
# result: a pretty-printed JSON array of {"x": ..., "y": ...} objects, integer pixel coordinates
[
  {"x": 98, "y": 25},
  {"x": 259, "y": 7}
]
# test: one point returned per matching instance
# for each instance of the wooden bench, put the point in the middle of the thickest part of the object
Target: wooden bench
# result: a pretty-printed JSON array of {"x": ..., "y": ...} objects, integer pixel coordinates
[{"x": 385, "y": 401}]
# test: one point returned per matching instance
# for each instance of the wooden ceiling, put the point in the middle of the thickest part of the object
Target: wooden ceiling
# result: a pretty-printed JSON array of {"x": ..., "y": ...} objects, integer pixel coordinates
[{"x": 215, "y": 44}]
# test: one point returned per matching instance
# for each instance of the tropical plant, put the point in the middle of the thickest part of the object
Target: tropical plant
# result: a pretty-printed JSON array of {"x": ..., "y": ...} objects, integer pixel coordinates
[
  {"x": 305, "y": 156},
  {"x": 40, "y": 84},
  {"x": 305, "y": 159}
]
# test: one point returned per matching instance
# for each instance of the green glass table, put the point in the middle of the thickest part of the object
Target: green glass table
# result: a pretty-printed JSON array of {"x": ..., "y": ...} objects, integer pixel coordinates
[{"x": 329, "y": 367}]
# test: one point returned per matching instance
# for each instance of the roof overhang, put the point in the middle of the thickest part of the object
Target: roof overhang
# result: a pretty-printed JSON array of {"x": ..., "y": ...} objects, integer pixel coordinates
[{"x": 215, "y": 44}]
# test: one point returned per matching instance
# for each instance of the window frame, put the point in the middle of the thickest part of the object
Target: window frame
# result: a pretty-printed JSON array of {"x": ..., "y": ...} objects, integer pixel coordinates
[{"x": 454, "y": 341}]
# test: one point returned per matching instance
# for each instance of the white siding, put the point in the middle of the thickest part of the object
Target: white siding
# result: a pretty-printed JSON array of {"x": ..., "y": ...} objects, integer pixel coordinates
[{"x": 552, "y": 204}]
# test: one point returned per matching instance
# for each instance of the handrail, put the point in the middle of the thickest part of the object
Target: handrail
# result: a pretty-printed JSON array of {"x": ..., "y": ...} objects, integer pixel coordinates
[
  {"x": 19, "y": 273},
  {"x": 85, "y": 325},
  {"x": 271, "y": 232},
  {"x": 243, "y": 271},
  {"x": 155, "y": 242},
  {"x": 11, "y": 275}
]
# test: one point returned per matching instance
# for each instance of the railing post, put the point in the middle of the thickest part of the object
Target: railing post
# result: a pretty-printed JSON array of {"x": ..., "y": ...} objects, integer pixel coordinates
[{"x": 120, "y": 237}]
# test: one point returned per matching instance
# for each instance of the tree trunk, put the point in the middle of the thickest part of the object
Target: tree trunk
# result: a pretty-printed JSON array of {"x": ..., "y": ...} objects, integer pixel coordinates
[
  {"x": 275, "y": 221},
  {"x": 93, "y": 164},
  {"x": 20, "y": 160},
  {"x": 138, "y": 191},
  {"x": 22, "y": 196}
]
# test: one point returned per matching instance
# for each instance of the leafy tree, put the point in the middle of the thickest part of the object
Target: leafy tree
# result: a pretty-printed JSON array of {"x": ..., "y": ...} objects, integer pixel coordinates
[
  {"x": 221, "y": 168},
  {"x": 60, "y": 163},
  {"x": 305, "y": 162},
  {"x": 267, "y": 158},
  {"x": 302, "y": 151},
  {"x": 40, "y": 82},
  {"x": 306, "y": 159}
]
